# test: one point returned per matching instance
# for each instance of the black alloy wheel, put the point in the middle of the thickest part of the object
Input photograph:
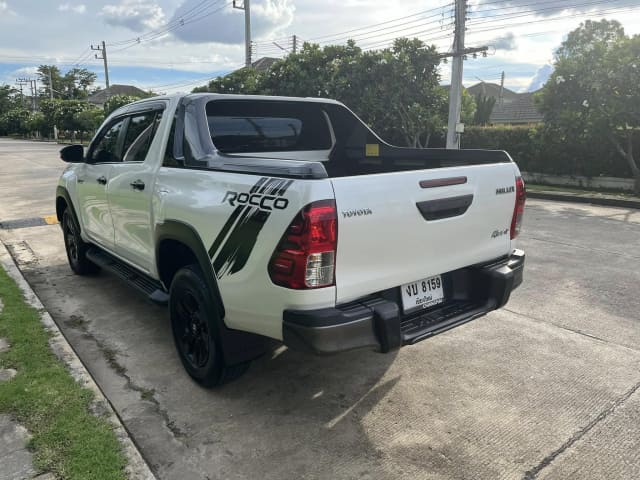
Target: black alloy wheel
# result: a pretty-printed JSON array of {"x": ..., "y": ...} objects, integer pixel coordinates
[
  {"x": 192, "y": 330},
  {"x": 74, "y": 245},
  {"x": 196, "y": 325}
]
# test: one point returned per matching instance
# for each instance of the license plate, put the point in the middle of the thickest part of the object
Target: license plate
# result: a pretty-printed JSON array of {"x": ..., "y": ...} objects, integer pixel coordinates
[{"x": 422, "y": 294}]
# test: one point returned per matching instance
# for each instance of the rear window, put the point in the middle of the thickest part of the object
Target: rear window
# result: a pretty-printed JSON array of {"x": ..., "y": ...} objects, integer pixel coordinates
[{"x": 254, "y": 126}]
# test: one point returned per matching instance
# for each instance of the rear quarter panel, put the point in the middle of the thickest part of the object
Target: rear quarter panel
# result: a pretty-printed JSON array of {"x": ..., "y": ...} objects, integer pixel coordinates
[{"x": 241, "y": 238}]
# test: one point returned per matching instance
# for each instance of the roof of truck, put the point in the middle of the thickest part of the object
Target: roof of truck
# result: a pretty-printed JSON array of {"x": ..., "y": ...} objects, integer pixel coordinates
[{"x": 228, "y": 96}]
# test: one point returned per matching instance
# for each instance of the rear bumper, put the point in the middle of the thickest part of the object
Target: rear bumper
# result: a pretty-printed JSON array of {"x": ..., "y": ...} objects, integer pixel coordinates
[{"x": 377, "y": 321}]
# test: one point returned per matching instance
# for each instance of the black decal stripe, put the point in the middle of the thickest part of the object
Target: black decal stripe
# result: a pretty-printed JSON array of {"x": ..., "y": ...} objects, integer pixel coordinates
[
  {"x": 284, "y": 188},
  {"x": 225, "y": 230},
  {"x": 274, "y": 187},
  {"x": 229, "y": 245},
  {"x": 241, "y": 243},
  {"x": 232, "y": 220},
  {"x": 237, "y": 248},
  {"x": 264, "y": 185},
  {"x": 258, "y": 184}
]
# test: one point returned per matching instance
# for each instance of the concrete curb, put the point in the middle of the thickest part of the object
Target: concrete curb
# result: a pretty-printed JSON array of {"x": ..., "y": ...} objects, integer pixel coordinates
[
  {"x": 137, "y": 468},
  {"x": 570, "y": 197}
]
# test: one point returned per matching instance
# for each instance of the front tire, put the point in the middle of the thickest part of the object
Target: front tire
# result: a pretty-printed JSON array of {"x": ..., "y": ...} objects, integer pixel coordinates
[
  {"x": 195, "y": 324},
  {"x": 76, "y": 248}
]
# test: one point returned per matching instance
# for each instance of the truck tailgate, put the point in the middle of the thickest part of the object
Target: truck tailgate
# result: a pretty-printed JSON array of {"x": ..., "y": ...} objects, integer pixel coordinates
[{"x": 401, "y": 227}]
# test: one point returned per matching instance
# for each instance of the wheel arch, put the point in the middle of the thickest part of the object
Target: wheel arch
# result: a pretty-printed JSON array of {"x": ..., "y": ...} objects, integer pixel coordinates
[
  {"x": 63, "y": 201},
  {"x": 186, "y": 247},
  {"x": 237, "y": 346}
]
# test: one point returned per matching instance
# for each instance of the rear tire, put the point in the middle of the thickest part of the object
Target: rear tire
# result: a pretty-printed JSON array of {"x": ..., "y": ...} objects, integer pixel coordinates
[
  {"x": 195, "y": 323},
  {"x": 76, "y": 248}
]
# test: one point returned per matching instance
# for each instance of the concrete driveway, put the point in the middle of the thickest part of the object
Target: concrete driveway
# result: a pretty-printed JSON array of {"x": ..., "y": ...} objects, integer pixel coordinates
[{"x": 546, "y": 388}]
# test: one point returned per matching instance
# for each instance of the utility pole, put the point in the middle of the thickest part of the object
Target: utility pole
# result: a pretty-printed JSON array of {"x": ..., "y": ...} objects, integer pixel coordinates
[
  {"x": 22, "y": 82},
  {"x": 246, "y": 6},
  {"x": 55, "y": 128},
  {"x": 459, "y": 54},
  {"x": 103, "y": 56},
  {"x": 34, "y": 95},
  {"x": 455, "y": 92},
  {"x": 295, "y": 44},
  {"x": 501, "y": 89}
]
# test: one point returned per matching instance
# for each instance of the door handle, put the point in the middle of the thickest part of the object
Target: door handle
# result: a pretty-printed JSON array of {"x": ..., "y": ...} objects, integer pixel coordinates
[
  {"x": 102, "y": 180},
  {"x": 138, "y": 185}
]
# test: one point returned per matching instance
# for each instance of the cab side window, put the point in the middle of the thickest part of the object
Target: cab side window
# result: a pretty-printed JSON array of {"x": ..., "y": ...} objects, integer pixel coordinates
[
  {"x": 169, "y": 158},
  {"x": 108, "y": 148},
  {"x": 140, "y": 132}
]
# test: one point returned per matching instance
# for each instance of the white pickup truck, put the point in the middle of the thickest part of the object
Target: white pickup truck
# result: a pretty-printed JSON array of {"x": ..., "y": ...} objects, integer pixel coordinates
[{"x": 288, "y": 218}]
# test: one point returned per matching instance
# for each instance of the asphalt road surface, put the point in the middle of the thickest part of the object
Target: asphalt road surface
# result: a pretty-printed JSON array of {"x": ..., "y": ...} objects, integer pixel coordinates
[{"x": 546, "y": 388}]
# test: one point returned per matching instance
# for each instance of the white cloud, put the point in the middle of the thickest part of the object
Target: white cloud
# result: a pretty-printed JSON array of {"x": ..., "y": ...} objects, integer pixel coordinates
[
  {"x": 5, "y": 10},
  {"x": 540, "y": 78},
  {"x": 226, "y": 25},
  {"x": 504, "y": 42},
  {"x": 67, "y": 7},
  {"x": 23, "y": 72},
  {"x": 136, "y": 15}
]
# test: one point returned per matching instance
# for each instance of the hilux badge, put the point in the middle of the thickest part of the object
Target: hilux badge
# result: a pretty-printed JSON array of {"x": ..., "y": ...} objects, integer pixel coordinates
[{"x": 505, "y": 190}]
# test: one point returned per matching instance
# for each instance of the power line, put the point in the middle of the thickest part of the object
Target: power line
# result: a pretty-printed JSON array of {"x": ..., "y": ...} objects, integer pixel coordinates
[
  {"x": 401, "y": 28},
  {"x": 526, "y": 13},
  {"x": 563, "y": 17},
  {"x": 441, "y": 34},
  {"x": 368, "y": 27},
  {"x": 172, "y": 25},
  {"x": 479, "y": 8}
]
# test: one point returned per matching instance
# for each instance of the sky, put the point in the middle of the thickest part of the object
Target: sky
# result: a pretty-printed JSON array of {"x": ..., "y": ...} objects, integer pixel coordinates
[{"x": 175, "y": 45}]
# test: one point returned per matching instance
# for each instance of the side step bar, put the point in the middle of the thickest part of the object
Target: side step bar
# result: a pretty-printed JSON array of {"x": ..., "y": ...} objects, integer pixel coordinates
[{"x": 138, "y": 280}]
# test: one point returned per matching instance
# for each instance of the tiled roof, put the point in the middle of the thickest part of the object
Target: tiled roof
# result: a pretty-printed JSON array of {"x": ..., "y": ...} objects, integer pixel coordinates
[
  {"x": 101, "y": 96},
  {"x": 492, "y": 90},
  {"x": 263, "y": 64},
  {"x": 520, "y": 110}
]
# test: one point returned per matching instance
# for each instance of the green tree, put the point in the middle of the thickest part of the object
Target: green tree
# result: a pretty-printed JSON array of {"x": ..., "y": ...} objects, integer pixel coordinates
[
  {"x": 593, "y": 96},
  {"x": 484, "y": 109},
  {"x": 68, "y": 116},
  {"x": 73, "y": 85},
  {"x": 56, "y": 77},
  {"x": 8, "y": 98},
  {"x": 89, "y": 120},
  {"x": 312, "y": 72},
  {"x": 77, "y": 82},
  {"x": 394, "y": 90},
  {"x": 36, "y": 123},
  {"x": 15, "y": 120},
  {"x": 468, "y": 108},
  {"x": 51, "y": 109},
  {"x": 118, "y": 101},
  {"x": 246, "y": 81}
]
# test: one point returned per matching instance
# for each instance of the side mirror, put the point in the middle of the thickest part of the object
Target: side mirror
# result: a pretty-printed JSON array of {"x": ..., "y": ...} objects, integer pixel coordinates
[{"x": 72, "y": 154}]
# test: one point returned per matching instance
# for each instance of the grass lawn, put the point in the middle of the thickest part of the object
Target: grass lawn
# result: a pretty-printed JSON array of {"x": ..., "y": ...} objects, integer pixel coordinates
[{"x": 67, "y": 439}]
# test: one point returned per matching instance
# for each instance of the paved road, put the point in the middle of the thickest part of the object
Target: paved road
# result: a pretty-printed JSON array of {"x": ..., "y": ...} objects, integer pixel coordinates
[{"x": 547, "y": 388}]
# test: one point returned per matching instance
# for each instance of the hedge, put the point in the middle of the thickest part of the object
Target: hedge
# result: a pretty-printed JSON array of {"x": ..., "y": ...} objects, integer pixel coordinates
[{"x": 535, "y": 150}]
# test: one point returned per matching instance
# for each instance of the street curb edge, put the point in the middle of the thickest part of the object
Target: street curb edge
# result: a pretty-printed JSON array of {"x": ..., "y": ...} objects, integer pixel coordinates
[{"x": 137, "y": 468}]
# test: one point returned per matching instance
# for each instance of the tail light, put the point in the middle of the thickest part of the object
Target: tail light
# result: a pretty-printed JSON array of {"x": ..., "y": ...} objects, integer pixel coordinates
[
  {"x": 306, "y": 255},
  {"x": 518, "y": 209}
]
